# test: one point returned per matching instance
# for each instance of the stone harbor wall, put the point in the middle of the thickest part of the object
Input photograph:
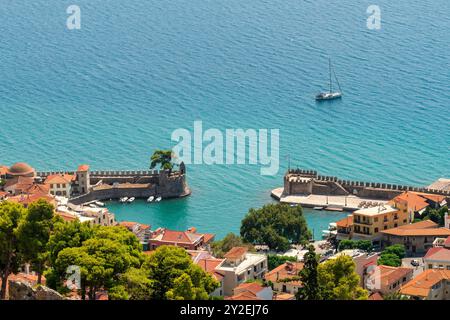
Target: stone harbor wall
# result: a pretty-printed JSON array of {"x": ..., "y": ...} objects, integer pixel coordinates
[
  {"x": 115, "y": 187},
  {"x": 299, "y": 181}
]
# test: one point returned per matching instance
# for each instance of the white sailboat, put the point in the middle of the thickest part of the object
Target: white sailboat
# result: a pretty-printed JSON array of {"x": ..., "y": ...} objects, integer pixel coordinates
[{"x": 331, "y": 95}]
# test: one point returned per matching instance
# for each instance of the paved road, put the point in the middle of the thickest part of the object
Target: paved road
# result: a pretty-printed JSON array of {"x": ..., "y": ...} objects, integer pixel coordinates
[{"x": 406, "y": 262}]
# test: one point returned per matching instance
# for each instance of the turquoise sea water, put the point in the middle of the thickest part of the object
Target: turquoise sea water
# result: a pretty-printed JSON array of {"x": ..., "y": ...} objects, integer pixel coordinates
[{"x": 112, "y": 92}]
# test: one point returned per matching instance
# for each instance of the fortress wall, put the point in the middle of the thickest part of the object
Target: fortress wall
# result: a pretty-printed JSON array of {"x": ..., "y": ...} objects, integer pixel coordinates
[{"x": 374, "y": 190}]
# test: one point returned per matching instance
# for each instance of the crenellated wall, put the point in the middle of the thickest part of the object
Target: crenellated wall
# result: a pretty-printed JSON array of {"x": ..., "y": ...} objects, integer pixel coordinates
[
  {"x": 114, "y": 184},
  {"x": 331, "y": 185}
]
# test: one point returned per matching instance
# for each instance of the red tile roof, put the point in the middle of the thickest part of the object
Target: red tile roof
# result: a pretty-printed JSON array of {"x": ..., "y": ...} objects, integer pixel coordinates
[
  {"x": 3, "y": 170},
  {"x": 376, "y": 296},
  {"x": 421, "y": 285},
  {"x": 243, "y": 296},
  {"x": 390, "y": 275},
  {"x": 438, "y": 253},
  {"x": 209, "y": 265},
  {"x": 236, "y": 252},
  {"x": 130, "y": 224},
  {"x": 447, "y": 242},
  {"x": 60, "y": 178},
  {"x": 19, "y": 183},
  {"x": 83, "y": 167},
  {"x": 413, "y": 200},
  {"x": 285, "y": 271},
  {"x": 346, "y": 222},
  {"x": 252, "y": 287}
]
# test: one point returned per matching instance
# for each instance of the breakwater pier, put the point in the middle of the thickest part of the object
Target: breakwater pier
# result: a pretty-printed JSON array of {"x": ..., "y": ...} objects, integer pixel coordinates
[{"x": 309, "y": 189}]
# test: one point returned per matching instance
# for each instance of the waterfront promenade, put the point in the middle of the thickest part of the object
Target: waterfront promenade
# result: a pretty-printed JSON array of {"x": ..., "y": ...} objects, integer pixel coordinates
[{"x": 346, "y": 203}]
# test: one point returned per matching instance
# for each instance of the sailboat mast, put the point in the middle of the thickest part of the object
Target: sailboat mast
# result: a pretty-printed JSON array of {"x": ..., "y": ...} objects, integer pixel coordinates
[{"x": 331, "y": 82}]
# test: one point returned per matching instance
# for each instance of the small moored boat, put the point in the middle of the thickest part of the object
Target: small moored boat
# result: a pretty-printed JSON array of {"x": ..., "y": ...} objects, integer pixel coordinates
[
  {"x": 150, "y": 199},
  {"x": 123, "y": 199},
  {"x": 158, "y": 199},
  {"x": 131, "y": 199}
]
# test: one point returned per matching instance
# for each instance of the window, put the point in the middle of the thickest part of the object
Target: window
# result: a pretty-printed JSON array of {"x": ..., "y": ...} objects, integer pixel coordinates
[
  {"x": 262, "y": 265},
  {"x": 376, "y": 230},
  {"x": 404, "y": 220},
  {"x": 395, "y": 225},
  {"x": 254, "y": 269},
  {"x": 385, "y": 227}
]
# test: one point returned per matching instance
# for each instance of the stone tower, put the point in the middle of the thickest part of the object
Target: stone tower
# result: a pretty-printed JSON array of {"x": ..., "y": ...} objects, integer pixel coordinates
[{"x": 83, "y": 179}]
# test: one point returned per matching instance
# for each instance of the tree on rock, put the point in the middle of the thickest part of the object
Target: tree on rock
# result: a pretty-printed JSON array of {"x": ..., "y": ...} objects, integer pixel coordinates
[
  {"x": 275, "y": 225},
  {"x": 163, "y": 158}
]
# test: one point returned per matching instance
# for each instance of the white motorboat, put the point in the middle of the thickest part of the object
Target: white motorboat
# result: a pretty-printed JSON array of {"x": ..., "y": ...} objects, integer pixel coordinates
[
  {"x": 150, "y": 199},
  {"x": 158, "y": 199},
  {"x": 123, "y": 199},
  {"x": 131, "y": 199},
  {"x": 99, "y": 203}
]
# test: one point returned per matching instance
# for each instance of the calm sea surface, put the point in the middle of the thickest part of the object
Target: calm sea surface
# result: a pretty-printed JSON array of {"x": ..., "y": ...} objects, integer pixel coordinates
[{"x": 112, "y": 92}]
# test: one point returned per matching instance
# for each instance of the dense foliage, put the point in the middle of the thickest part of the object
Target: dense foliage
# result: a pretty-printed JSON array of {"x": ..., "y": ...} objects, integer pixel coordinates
[
  {"x": 435, "y": 215},
  {"x": 275, "y": 225},
  {"x": 334, "y": 279},
  {"x": 392, "y": 256},
  {"x": 365, "y": 245},
  {"x": 107, "y": 258},
  {"x": 173, "y": 276}
]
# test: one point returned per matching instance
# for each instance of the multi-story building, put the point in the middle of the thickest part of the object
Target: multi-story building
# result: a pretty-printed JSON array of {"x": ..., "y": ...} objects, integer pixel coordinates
[
  {"x": 240, "y": 266},
  {"x": 432, "y": 284},
  {"x": 190, "y": 239},
  {"x": 386, "y": 280},
  {"x": 368, "y": 223},
  {"x": 415, "y": 203},
  {"x": 60, "y": 184},
  {"x": 438, "y": 257},
  {"x": 285, "y": 278},
  {"x": 416, "y": 237}
]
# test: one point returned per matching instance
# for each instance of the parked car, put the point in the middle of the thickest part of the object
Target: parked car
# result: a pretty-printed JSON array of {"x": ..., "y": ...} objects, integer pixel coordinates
[{"x": 415, "y": 262}]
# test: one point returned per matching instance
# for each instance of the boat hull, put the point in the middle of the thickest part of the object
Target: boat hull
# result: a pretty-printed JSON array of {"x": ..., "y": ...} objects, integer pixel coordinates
[{"x": 328, "y": 96}]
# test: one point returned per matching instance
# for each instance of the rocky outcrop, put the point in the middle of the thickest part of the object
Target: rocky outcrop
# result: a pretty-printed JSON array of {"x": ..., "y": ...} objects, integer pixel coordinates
[{"x": 21, "y": 290}]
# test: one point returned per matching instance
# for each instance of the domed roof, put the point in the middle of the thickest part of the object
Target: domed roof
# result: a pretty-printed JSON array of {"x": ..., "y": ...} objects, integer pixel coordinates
[{"x": 20, "y": 169}]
